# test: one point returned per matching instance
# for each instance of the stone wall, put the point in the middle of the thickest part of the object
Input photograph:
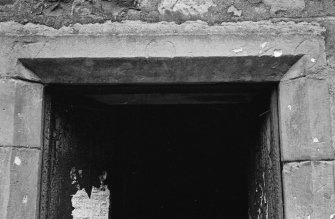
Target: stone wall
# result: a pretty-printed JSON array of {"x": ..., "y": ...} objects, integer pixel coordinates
[
  {"x": 64, "y": 12},
  {"x": 20, "y": 148},
  {"x": 298, "y": 27}
]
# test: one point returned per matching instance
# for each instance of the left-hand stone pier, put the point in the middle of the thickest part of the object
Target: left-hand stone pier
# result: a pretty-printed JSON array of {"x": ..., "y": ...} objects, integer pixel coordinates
[{"x": 20, "y": 147}]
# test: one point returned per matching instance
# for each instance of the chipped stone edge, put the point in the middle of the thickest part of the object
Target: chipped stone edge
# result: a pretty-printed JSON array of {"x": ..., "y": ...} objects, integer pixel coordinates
[
  {"x": 12, "y": 28},
  {"x": 291, "y": 167},
  {"x": 294, "y": 166}
]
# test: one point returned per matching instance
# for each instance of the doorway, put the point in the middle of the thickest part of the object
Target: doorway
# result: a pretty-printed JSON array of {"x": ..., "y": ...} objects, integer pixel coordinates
[{"x": 169, "y": 150}]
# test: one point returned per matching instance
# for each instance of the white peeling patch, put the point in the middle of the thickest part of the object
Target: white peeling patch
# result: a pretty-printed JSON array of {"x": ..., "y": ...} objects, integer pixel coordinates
[
  {"x": 25, "y": 199},
  {"x": 315, "y": 140},
  {"x": 95, "y": 207},
  {"x": 17, "y": 161},
  {"x": 238, "y": 50},
  {"x": 187, "y": 7},
  {"x": 289, "y": 107},
  {"x": 277, "y": 53},
  {"x": 235, "y": 11},
  {"x": 313, "y": 60},
  {"x": 81, "y": 204},
  {"x": 332, "y": 216}
]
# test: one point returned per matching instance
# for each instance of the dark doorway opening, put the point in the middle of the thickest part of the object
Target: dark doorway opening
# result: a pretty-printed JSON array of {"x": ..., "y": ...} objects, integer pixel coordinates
[
  {"x": 181, "y": 161},
  {"x": 170, "y": 151}
]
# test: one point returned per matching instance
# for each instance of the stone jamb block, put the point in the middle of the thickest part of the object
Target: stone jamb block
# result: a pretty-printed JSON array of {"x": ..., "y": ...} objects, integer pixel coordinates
[
  {"x": 19, "y": 182},
  {"x": 309, "y": 189},
  {"x": 20, "y": 113},
  {"x": 305, "y": 122}
]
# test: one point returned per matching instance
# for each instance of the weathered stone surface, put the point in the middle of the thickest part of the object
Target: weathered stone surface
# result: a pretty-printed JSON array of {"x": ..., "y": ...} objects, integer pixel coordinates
[
  {"x": 7, "y": 108},
  {"x": 20, "y": 114},
  {"x": 5, "y": 166},
  {"x": 330, "y": 42},
  {"x": 19, "y": 182},
  {"x": 187, "y": 7},
  {"x": 168, "y": 70},
  {"x": 255, "y": 1},
  {"x": 305, "y": 120},
  {"x": 130, "y": 39},
  {"x": 260, "y": 28},
  {"x": 7, "y": 59},
  {"x": 234, "y": 10},
  {"x": 277, "y": 5},
  {"x": 331, "y": 81},
  {"x": 60, "y": 13},
  {"x": 309, "y": 189},
  {"x": 7, "y": 2},
  {"x": 148, "y": 5},
  {"x": 314, "y": 55}
]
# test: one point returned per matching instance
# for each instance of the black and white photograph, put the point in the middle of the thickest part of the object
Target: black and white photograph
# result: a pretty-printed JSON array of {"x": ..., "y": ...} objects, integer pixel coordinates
[{"x": 167, "y": 109}]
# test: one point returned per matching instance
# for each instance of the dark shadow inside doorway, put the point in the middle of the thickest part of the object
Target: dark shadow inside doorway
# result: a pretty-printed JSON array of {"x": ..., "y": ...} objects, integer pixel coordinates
[{"x": 196, "y": 157}]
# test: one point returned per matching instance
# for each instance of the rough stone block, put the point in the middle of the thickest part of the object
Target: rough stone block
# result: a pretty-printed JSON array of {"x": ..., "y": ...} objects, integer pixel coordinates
[
  {"x": 20, "y": 113},
  {"x": 309, "y": 189},
  {"x": 305, "y": 124},
  {"x": 19, "y": 182},
  {"x": 187, "y": 7},
  {"x": 285, "y": 5}
]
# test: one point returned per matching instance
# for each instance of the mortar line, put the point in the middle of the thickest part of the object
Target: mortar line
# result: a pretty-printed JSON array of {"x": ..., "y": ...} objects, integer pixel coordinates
[
  {"x": 301, "y": 161},
  {"x": 20, "y": 147},
  {"x": 312, "y": 18}
]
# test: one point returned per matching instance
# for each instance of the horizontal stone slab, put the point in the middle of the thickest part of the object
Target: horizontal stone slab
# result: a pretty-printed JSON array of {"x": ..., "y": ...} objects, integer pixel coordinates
[
  {"x": 159, "y": 70},
  {"x": 165, "y": 28},
  {"x": 133, "y": 40}
]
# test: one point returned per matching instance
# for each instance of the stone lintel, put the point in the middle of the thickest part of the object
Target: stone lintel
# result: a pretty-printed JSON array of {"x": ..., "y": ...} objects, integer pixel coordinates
[{"x": 137, "y": 39}]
